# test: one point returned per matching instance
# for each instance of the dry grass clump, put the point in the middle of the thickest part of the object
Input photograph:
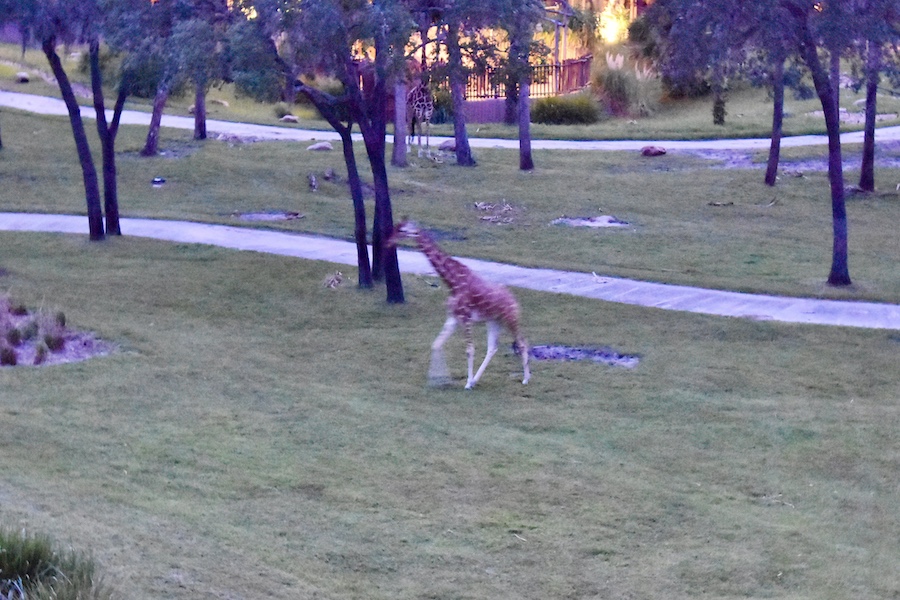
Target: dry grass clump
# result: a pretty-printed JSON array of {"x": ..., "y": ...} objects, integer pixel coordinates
[
  {"x": 30, "y": 567},
  {"x": 38, "y": 338}
]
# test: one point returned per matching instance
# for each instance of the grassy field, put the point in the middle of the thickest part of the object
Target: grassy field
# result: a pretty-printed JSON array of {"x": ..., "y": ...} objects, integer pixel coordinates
[
  {"x": 258, "y": 435},
  {"x": 690, "y": 224}
]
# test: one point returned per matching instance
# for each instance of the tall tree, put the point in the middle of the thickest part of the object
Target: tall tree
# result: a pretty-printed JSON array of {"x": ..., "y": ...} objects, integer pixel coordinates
[
  {"x": 823, "y": 26},
  {"x": 879, "y": 22},
  {"x": 361, "y": 43},
  {"x": 53, "y": 23},
  {"x": 520, "y": 18}
]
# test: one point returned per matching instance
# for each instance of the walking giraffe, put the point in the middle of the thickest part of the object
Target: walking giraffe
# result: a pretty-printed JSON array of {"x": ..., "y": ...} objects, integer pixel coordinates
[
  {"x": 472, "y": 299},
  {"x": 420, "y": 108}
]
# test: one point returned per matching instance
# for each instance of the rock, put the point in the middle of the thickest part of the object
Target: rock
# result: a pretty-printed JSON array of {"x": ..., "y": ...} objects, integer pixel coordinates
[
  {"x": 448, "y": 146},
  {"x": 22, "y": 77},
  {"x": 321, "y": 147},
  {"x": 653, "y": 151},
  {"x": 289, "y": 119}
]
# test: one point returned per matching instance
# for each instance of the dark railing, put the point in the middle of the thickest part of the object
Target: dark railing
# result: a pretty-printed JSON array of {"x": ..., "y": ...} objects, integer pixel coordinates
[{"x": 546, "y": 80}]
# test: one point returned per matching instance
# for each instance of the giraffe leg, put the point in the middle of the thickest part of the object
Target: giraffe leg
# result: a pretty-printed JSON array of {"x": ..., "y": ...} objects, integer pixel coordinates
[
  {"x": 438, "y": 374},
  {"x": 522, "y": 344},
  {"x": 470, "y": 355},
  {"x": 493, "y": 333}
]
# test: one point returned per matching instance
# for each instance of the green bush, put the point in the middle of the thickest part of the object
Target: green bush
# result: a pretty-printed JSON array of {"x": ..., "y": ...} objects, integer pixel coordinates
[
  {"x": 30, "y": 567},
  {"x": 443, "y": 107},
  {"x": 577, "y": 109}
]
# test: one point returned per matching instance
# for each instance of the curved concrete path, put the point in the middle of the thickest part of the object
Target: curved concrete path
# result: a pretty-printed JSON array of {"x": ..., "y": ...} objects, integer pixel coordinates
[
  {"x": 46, "y": 105},
  {"x": 671, "y": 297}
]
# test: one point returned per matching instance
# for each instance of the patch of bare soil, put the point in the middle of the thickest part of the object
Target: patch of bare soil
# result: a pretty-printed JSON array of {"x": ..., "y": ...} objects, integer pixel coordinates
[
  {"x": 887, "y": 155},
  {"x": 39, "y": 339},
  {"x": 600, "y": 221},
  {"x": 607, "y": 356}
]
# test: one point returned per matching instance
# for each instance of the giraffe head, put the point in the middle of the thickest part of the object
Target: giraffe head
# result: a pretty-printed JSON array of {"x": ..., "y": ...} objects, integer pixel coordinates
[{"x": 405, "y": 229}]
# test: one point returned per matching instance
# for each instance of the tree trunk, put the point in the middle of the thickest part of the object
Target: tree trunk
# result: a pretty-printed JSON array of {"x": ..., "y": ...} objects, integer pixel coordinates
[
  {"x": 867, "y": 170},
  {"x": 200, "y": 111},
  {"x": 401, "y": 122},
  {"x": 107, "y": 137},
  {"x": 511, "y": 107},
  {"x": 151, "y": 148},
  {"x": 777, "y": 120},
  {"x": 464, "y": 156},
  {"x": 526, "y": 162},
  {"x": 719, "y": 98},
  {"x": 88, "y": 170},
  {"x": 359, "y": 210},
  {"x": 373, "y": 125}
]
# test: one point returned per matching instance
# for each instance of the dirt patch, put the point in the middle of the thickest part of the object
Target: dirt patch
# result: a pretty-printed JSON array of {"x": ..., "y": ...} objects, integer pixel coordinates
[
  {"x": 275, "y": 215},
  {"x": 607, "y": 356},
  {"x": 601, "y": 221},
  {"x": 41, "y": 339}
]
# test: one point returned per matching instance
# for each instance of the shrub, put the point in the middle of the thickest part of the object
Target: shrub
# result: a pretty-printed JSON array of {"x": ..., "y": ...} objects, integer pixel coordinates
[
  {"x": 40, "y": 353},
  {"x": 627, "y": 90},
  {"x": 14, "y": 337},
  {"x": 8, "y": 358},
  {"x": 54, "y": 341},
  {"x": 443, "y": 107},
  {"x": 576, "y": 109},
  {"x": 281, "y": 109},
  {"x": 30, "y": 567}
]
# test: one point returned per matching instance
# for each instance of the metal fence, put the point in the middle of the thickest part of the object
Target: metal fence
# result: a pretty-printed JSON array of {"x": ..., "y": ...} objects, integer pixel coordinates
[{"x": 546, "y": 80}]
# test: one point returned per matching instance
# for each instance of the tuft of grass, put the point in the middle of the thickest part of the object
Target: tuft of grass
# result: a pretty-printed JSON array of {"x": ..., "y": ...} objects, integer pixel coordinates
[{"x": 31, "y": 567}]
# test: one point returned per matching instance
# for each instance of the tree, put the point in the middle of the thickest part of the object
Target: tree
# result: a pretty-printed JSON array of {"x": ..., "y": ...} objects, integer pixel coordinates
[
  {"x": 520, "y": 18},
  {"x": 325, "y": 37},
  {"x": 52, "y": 23},
  {"x": 702, "y": 41},
  {"x": 823, "y": 26},
  {"x": 879, "y": 24}
]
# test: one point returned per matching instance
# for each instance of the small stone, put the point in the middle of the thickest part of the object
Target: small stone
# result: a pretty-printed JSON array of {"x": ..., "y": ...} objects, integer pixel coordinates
[{"x": 321, "y": 147}]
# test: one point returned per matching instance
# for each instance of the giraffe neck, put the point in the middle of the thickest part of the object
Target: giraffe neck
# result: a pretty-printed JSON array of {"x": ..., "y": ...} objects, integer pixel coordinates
[{"x": 450, "y": 270}]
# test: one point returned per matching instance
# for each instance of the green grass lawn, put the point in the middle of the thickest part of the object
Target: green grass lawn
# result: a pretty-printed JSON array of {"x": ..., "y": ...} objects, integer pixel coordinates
[
  {"x": 259, "y": 435},
  {"x": 690, "y": 224}
]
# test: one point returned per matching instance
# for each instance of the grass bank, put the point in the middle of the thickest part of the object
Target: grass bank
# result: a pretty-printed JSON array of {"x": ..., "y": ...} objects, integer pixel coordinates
[{"x": 260, "y": 435}]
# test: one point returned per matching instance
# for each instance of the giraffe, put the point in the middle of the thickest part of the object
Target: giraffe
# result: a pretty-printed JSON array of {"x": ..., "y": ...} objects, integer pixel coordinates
[
  {"x": 420, "y": 108},
  {"x": 472, "y": 300}
]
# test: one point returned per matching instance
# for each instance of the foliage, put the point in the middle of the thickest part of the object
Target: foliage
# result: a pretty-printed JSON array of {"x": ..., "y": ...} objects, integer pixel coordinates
[
  {"x": 31, "y": 567},
  {"x": 254, "y": 67},
  {"x": 566, "y": 110},
  {"x": 627, "y": 88}
]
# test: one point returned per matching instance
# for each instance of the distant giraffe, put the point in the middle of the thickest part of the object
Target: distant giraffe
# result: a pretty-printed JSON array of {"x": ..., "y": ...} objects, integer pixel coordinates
[
  {"x": 472, "y": 299},
  {"x": 420, "y": 108}
]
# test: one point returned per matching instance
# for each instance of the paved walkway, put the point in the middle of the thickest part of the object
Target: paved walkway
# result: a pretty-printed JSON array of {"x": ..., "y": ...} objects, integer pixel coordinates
[
  {"x": 45, "y": 105},
  {"x": 611, "y": 289}
]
